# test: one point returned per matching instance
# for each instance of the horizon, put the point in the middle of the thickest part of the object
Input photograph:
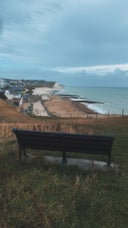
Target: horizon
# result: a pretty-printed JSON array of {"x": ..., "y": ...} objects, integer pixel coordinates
[{"x": 69, "y": 84}]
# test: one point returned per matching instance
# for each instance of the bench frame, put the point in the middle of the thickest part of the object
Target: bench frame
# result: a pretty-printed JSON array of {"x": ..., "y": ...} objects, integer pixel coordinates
[{"x": 64, "y": 142}]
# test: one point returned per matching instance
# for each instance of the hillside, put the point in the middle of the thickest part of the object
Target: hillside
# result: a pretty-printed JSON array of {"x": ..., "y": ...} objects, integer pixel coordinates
[
  {"x": 38, "y": 193},
  {"x": 10, "y": 113}
]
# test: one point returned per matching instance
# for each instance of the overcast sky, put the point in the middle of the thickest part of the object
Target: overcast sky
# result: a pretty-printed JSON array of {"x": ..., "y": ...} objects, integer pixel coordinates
[{"x": 45, "y": 38}]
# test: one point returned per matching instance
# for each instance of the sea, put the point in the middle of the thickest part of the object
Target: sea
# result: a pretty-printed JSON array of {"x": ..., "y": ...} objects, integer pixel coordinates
[{"x": 112, "y": 100}]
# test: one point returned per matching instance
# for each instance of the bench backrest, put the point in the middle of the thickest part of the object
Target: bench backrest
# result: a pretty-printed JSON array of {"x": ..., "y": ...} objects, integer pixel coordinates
[
  {"x": 85, "y": 143},
  {"x": 38, "y": 140}
]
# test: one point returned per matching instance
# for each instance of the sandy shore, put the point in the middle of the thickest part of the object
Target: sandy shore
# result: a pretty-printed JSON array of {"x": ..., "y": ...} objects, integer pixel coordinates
[
  {"x": 57, "y": 105},
  {"x": 64, "y": 107}
]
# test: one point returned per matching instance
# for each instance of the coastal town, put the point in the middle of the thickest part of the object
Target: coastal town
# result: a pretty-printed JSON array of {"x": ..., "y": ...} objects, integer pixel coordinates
[{"x": 28, "y": 96}]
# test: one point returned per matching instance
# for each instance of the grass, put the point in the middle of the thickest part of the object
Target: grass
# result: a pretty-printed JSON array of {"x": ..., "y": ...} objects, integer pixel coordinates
[{"x": 39, "y": 194}]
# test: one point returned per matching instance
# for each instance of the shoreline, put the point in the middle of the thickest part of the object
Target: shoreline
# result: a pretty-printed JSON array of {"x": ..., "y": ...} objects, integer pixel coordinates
[
  {"x": 64, "y": 107},
  {"x": 48, "y": 102},
  {"x": 112, "y": 100},
  {"x": 89, "y": 106}
]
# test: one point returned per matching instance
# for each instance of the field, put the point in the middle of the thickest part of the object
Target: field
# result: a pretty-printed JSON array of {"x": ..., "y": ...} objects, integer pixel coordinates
[{"x": 38, "y": 194}]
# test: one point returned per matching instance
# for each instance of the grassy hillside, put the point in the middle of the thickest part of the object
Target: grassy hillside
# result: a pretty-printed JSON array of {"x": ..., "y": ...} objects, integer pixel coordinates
[
  {"x": 38, "y": 194},
  {"x": 9, "y": 113}
]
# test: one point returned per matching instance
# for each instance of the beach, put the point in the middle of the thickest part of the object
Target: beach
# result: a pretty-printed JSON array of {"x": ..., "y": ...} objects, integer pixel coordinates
[
  {"x": 50, "y": 103},
  {"x": 64, "y": 107}
]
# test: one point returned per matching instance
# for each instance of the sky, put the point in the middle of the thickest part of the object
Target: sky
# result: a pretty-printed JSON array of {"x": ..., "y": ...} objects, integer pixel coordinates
[{"x": 75, "y": 42}]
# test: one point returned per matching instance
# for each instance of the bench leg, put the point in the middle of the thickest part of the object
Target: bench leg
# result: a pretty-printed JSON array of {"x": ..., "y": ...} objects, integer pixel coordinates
[
  {"x": 64, "y": 157},
  {"x": 109, "y": 159},
  {"x": 22, "y": 153}
]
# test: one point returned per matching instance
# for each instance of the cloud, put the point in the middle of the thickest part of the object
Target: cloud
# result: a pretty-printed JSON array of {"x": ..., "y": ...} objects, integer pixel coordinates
[
  {"x": 26, "y": 25},
  {"x": 1, "y": 17},
  {"x": 100, "y": 70},
  {"x": 63, "y": 35}
]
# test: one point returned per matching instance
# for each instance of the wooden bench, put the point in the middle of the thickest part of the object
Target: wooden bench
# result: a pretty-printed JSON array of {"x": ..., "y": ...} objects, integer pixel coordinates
[{"x": 64, "y": 142}]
